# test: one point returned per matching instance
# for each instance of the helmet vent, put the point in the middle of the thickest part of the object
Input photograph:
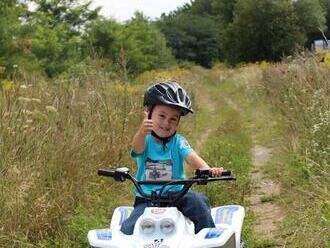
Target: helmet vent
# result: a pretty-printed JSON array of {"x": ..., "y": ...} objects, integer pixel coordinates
[
  {"x": 181, "y": 95},
  {"x": 160, "y": 88}
]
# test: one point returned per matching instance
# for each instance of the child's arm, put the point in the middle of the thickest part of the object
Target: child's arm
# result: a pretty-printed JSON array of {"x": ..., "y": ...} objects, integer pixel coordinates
[
  {"x": 139, "y": 138},
  {"x": 196, "y": 162}
]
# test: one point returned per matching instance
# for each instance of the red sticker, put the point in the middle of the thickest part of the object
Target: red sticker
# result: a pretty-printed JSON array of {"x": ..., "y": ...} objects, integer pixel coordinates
[{"x": 158, "y": 210}]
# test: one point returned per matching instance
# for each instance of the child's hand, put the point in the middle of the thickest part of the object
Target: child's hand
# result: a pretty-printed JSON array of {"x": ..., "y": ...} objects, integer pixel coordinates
[
  {"x": 216, "y": 171},
  {"x": 146, "y": 126}
]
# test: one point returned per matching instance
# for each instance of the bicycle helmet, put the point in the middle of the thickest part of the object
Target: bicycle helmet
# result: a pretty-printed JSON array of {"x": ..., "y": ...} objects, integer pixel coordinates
[{"x": 168, "y": 93}]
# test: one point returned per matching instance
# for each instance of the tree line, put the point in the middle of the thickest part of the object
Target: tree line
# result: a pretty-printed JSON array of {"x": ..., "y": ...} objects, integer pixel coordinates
[{"x": 58, "y": 35}]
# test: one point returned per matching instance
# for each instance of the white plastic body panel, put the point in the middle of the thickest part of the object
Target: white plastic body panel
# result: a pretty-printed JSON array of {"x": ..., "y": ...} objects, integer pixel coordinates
[{"x": 226, "y": 234}]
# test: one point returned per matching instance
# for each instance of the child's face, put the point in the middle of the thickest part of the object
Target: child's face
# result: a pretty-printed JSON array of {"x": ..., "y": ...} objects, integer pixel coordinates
[{"x": 165, "y": 120}]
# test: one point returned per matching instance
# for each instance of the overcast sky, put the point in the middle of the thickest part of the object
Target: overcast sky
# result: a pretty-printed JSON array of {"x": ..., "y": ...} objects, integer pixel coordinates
[{"x": 123, "y": 10}]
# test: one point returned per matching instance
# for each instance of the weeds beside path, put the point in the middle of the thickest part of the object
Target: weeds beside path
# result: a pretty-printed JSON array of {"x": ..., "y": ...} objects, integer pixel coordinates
[{"x": 261, "y": 200}]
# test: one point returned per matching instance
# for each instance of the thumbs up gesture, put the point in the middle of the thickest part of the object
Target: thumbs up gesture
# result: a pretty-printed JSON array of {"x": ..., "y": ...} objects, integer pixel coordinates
[{"x": 146, "y": 126}]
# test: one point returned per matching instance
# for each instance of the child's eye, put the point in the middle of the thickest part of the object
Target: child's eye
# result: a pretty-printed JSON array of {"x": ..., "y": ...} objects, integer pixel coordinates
[{"x": 162, "y": 116}]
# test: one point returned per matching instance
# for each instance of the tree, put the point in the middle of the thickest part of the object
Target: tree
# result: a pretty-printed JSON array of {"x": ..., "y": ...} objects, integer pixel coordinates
[
  {"x": 103, "y": 38},
  {"x": 224, "y": 11},
  {"x": 144, "y": 45},
  {"x": 311, "y": 15},
  {"x": 220, "y": 10},
  {"x": 191, "y": 37},
  {"x": 311, "y": 18},
  {"x": 262, "y": 30},
  {"x": 13, "y": 44},
  {"x": 57, "y": 30},
  {"x": 326, "y": 7}
]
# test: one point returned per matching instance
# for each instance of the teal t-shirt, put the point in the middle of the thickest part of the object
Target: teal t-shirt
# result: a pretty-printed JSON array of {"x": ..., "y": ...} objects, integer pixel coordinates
[{"x": 156, "y": 163}]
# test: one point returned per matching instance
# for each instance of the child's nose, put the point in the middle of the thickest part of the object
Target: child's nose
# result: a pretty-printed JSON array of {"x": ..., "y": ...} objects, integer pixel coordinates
[{"x": 168, "y": 122}]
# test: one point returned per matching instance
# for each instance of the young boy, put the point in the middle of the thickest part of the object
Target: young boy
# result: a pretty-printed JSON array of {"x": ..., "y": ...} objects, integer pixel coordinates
[{"x": 160, "y": 153}]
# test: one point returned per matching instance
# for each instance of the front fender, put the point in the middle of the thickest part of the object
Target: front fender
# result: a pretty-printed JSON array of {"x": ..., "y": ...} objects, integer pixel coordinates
[{"x": 208, "y": 237}]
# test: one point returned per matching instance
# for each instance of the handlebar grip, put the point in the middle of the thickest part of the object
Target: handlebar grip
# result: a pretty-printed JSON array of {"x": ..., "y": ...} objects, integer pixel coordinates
[
  {"x": 206, "y": 173},
  {"x": 226, "y": 173},
  {"x": 106, "y": 173}
]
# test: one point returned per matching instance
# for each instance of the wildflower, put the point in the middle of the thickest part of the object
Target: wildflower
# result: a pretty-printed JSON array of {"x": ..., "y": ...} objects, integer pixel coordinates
[
  {"x": 327, "y": 59},
  {"x": 7, "y": 85},
  {"x": 119, "y": 88}
]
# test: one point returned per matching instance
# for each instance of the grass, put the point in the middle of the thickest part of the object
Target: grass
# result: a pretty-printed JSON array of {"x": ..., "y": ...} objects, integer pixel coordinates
[
  {"x": 54, "y": 135},
  {"x": 269, "y": 198},
  {"x": 300, "y": 93},
  {"x": 228, "y": 143},
  {"x": 53, "y": 140}
]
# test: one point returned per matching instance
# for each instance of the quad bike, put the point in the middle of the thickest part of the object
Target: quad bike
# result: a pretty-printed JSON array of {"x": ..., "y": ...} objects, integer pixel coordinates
[{"x": 167, "y": 227}]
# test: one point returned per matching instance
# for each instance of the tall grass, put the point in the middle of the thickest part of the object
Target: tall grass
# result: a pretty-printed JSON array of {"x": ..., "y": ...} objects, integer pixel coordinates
[
  {"x": 300, "y": 91},
  {"x": 54, "y": 135}
]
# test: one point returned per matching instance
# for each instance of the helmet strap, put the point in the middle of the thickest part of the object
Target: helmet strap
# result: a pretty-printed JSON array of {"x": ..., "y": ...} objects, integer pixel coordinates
[{"x": 163, "y": 139}]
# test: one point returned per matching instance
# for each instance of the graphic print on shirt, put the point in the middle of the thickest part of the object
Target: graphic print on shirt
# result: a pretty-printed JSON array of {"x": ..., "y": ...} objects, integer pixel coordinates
[
  {"x": 184, "y": 144},
  {"x": 158, "y": 169}
]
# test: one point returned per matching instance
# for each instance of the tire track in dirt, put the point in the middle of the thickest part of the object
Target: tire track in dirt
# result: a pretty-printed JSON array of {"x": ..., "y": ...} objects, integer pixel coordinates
[
  {"x": 268, "y": 214},
  {"x": 205, "y": 135},
  {"x": 208, "y": 105}
]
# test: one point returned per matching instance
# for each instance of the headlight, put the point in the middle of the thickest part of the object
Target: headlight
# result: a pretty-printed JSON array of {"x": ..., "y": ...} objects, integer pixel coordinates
[
  {"x": 167, "y": 226},
  {"x": 147, "y": 226}
]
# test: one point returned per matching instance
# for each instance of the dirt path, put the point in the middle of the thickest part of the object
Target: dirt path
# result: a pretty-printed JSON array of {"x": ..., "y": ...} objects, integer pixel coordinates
[
  {"x": 205, "y": 135},
  {"x": 268, "y": 214},
  {"x": 264, "y": 191},
  {"x": 210, "y": 107}
]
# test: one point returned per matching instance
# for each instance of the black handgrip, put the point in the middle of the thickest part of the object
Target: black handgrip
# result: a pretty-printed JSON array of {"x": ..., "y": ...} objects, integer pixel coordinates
[
  {"x": 226, "y": 173},
  {"x": 202, "y": 173},
  {"x": 106, "y": 173}
]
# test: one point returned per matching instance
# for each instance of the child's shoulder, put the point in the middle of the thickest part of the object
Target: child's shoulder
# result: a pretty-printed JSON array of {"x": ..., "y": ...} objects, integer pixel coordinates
[
  {"x": 179, "y": 137},
  {"x": 181, "y": 141}
]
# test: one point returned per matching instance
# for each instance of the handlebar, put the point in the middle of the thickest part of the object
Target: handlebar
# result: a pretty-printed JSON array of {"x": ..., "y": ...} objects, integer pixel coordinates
[
  {"x": 106, "y": 173},
  {"x": 202, "y": 177}
]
